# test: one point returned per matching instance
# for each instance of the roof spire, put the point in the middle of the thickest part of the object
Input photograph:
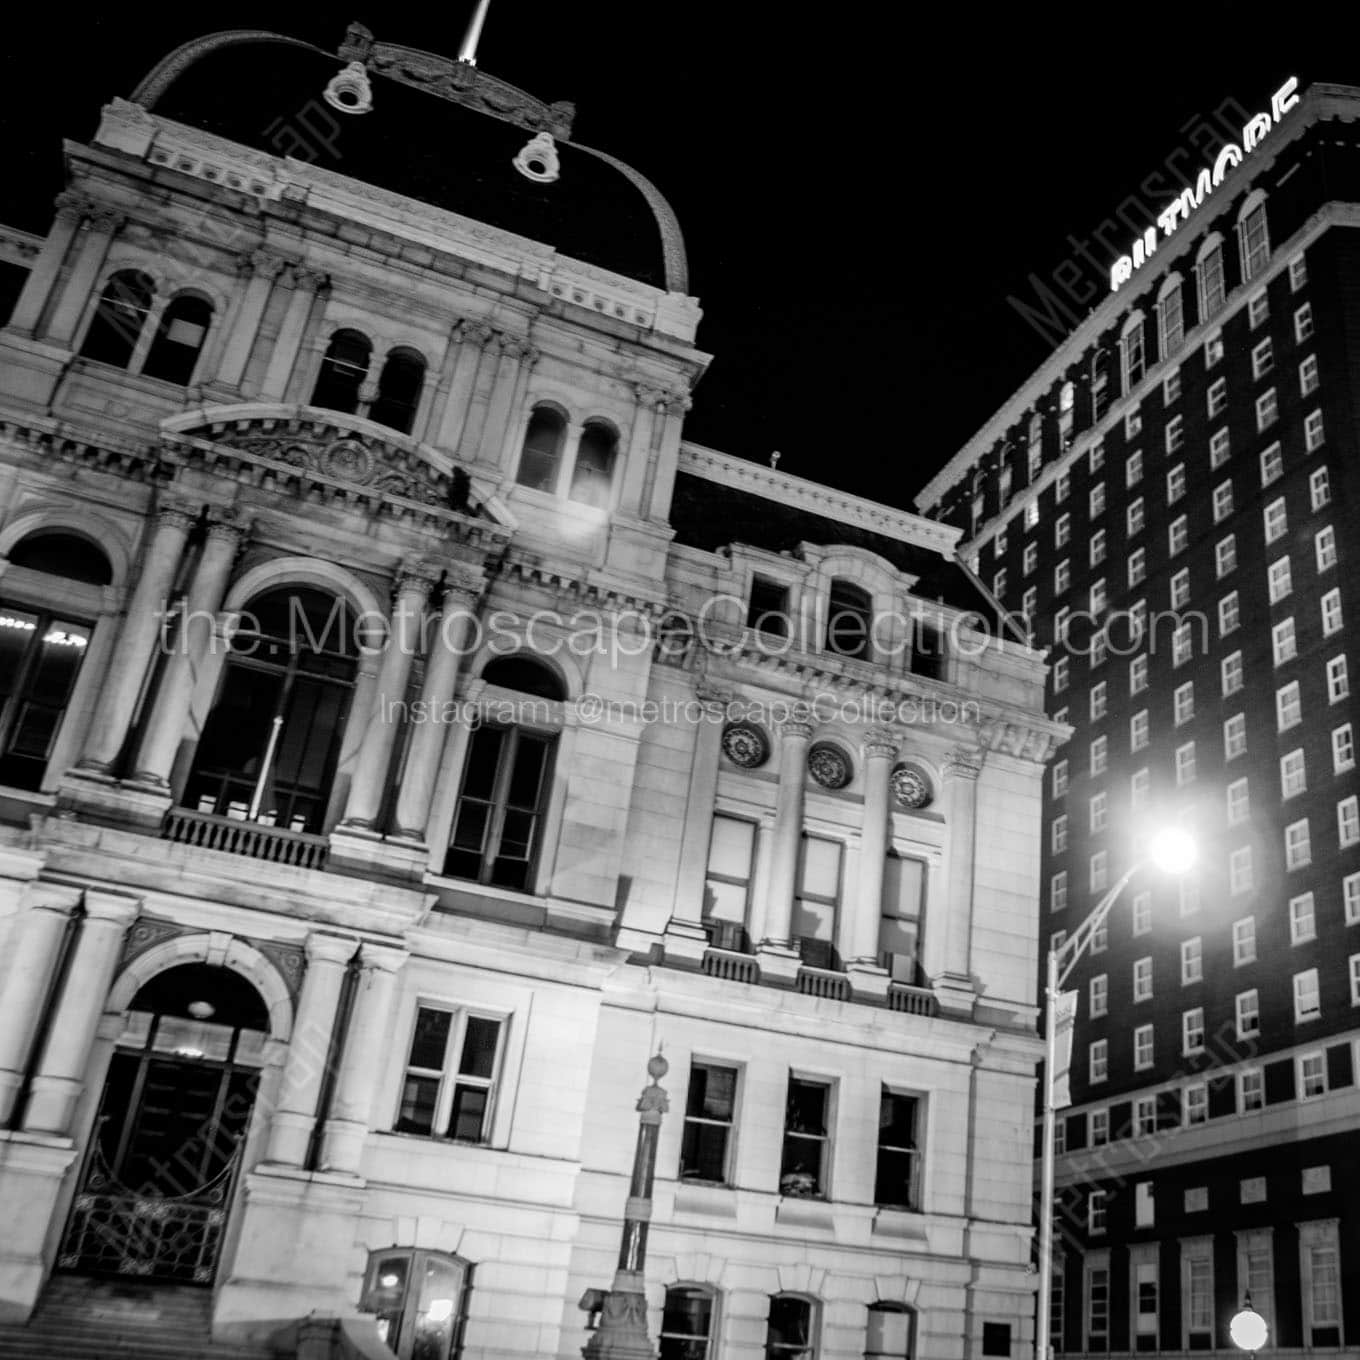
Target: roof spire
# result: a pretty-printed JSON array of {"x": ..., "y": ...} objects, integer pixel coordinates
[{"x": 468, "y": 51}]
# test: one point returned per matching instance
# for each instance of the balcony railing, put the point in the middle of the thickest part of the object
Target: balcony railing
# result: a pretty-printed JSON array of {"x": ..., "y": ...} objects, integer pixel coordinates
[
  {"x": 823, "y": 982},
  {"x": 731, "y": 966},
  {"x": 911, "y": 1000},
  {"x": 253, "y": 839}
]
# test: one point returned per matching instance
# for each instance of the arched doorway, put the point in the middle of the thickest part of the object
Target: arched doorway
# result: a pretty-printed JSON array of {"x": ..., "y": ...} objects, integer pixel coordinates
[{"x": 164, "y": 1155}]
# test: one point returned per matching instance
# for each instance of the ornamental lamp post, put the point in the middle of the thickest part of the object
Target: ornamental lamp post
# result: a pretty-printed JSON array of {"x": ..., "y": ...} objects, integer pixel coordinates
[
  {"x": 1248, "y": 1328},
  {"x": 621, "y": 1333},
  {"x": 1172, "y": 851}
]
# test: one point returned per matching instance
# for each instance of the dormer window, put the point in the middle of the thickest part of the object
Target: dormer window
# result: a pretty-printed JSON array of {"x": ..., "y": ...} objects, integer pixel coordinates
[
  {"x": 592, "y": 474},
  {"x": 542, "y": 457},
  {"x": 849, "y": 620},
  {"x": 343, "y": 370}
]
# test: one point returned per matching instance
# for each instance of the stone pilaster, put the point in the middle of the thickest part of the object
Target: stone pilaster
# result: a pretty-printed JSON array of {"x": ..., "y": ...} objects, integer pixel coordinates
[
  {"x": 777, "y": 952},
  {"x": 866, "y": 975},
  {"x": 91, "y": 249},
  {"x": 474, "y": 338},
  {"x": 42, "y": 278},
  {"x": 306, "y": 285},
  {"x": 260, "y": 269},
  {"x": 955, "y": 987}
]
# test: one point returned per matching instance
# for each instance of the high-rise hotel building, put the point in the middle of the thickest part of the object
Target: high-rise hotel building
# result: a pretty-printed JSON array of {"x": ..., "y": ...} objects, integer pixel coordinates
[{"x": 1171, "y": 500}]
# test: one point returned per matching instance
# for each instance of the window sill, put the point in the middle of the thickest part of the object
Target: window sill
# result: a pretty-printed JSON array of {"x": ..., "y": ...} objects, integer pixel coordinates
[
  {"x": 816, "y": 1214},
  {"x": 900, "y": 1223},
  {"x": 17, "y": 805},
  {"x": 706, "y": 1199},
  {"x": 463, "y": 897}
]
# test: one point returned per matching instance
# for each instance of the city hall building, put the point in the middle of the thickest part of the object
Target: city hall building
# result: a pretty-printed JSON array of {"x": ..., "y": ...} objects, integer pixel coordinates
[
  {"x": 405, "y": 735},
  {"x": 1170, "y": 503}
]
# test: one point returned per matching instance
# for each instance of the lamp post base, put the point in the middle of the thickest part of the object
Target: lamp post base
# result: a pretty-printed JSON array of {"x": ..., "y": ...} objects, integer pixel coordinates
[{"x": 622, "y": 1330}]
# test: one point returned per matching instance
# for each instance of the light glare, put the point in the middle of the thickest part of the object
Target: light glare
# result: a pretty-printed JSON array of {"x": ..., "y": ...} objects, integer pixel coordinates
[
  {"x": 1248, "y": 1330},
  {"x": 1173, "y": 850}
]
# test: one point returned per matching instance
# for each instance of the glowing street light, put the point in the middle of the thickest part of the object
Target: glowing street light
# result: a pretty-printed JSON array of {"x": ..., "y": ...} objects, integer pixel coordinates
[
  {"x": 1248, "y": 1328},
  {"x": 1173, "y": 851}
]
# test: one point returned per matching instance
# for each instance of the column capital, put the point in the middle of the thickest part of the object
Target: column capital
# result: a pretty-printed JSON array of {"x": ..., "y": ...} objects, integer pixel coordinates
[
  {"x": 382, "y": 958},
  {"x": 228, "y": 524},
  {"x": 880, "y": 743},
  {"x": 60, "y": 898},
  {"x": 478, "y": 333},
  {"x": 961, "y": 763},
  {"x": 416, "y": 578},
  {"x": 71, "y": 206},
  {"x": 177, "y": 513},
  {"x": 323, "y": 947},
  {"x": 118, "y": 908},
  {"x": 795, "y": 729},
  {"x": 104, "y": 219},
  {"x": 303, "y": 279}
]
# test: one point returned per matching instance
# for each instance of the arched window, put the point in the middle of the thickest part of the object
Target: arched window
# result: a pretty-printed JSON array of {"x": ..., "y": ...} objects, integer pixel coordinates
[
  {"x": 1209, "y": 283},
  {"x": 541, "y": 459},
  {"x": 118, "y": 319},
  {"x": 687, "y": 1324},
  {"x": 790, "y": 1332},
  {"x": 889, "y": 1335},
  {"x": 1170, "y": 317},
  {"x": 399, "y": 386},
  {"x": 1132, "y": 356},
  {"x": 498, "y": 823},
  {"x": 179, "y": 339},
  {"x": 62, "y": 554},
  {"x": 270, "y": 745},
  {"x": 1253, "y": 236},
  {"x": 592, "y": 475},
  {"x": 849, "y": 619},
  {"x": 343, "y": 370},
  {"x": 420, "y": 1298}
]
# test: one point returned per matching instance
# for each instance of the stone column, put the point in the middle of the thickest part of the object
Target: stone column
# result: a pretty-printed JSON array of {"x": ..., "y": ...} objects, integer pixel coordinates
[
  {"x": 61, "y": 1069},
  {"x": 290, "y": 1129},
  {"x": 42, "y": 278},
  {"x": 444, "y": 658},
  {"x": 685, "y": 934},
  {"x": 261, "y": 268},
  {"x": 508, "y": 451},
  {"x": 369, "y": 781},
  {"x": 166, "y": 730},
  {"x": 954, "y": 986},
  {"x": 101, "y": 226},
  {"x": 638, "y": 465},
  {"x": 880, "y": 750},
  {"x": 447, "y": 428},
  {"x": 365, "y": 1059},
  {"x": 490, "y": 431},
  {"x": 306, "y": 284},
  {"x": 141, "y": 630},
  {"x": 34, "y": 946},
  {"x": 776, "y": 949},
  {"x": 660, "y": 480}
]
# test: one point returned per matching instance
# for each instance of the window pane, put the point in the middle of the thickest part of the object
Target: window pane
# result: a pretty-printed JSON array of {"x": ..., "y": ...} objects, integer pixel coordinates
[
  {"x": 821, "y": 867},
  {"x": 431, "y": 1039},
  {"x": 418, "y": 1098},
  {"x": 732, "y": 847},
  {"x": 467, "y": 1122},
  {"x": 479, "y": 1047}
]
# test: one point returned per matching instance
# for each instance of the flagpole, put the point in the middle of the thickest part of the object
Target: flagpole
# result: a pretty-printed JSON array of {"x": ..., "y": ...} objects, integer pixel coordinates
[{"x": 1041, "y": 1349}]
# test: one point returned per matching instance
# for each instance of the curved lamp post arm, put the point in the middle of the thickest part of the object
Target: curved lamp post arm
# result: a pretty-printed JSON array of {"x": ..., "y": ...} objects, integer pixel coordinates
[{"x": 1068, "y": 955}]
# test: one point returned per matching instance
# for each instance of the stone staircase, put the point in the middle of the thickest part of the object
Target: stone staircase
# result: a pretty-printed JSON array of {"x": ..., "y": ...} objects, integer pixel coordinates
[{"x": 80, "y": 1318}]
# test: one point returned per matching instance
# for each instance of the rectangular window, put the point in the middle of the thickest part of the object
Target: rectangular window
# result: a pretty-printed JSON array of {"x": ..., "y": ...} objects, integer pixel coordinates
[
  {"x": 1099, "y": 755},
  {"x": 1302, "y": 923},
  {"x": 1324, "y": 548},
  {"x": 1133, "y": 516},
  {"x": 768, "y": 610},
  {"x": 1225, "y": 556},
  {"x": 1095, "y": 1212},
  {"x": 1230, "y": 672},
  {"x": 803, "y": 1160},
  {"x": 1276, "y": 520},
  {"x": 1138, "y": 730},
  {"x": 1229, "y": 614},
  {"x": 1197, "y": 1282},
  {"x": 1133, "y": 469},
  {"x": 1272, "y": 464},
  {"x": 1057, "y": 891},
  {"x": 1029, "y": 559},
  {"x": 1185, "y": 763},
  {"x": 1096, "y": 500},
  {"x": 999, "y": 584},
  {"x": 1196, "y": 1099},
  {"x": 1142, "y": 979},
  {"x": 1140, "y": 786},
  {"x": 1262, "y": 358},
  {"x": 1062, "y": 484},
  {"x": 1131, "y": 356},
  {"x": 710, "y": 1106},
  {"x": 1350, "y": 898},
  {"x": 1213, "y": 345},
  {"x": 1235, "y": 736},
  {"x": 1313, "y": 435},
  {"x": 727, "y": 884},
  {"x": 1097, "y": 1061},
  {"x": 1283, "y": 644},
  {"x": 1223, "y": 501},
  {"x": 1061, "y": 669},
  {"x": 1288, "y": 706},
  {"x": 1182, "y": 645},
  {"x": 1133, "y": 422},
  {"x": 1059, "y": 835},
  {"x": 1354, "y": 965},
  {"x": 1244, "y": 941},
  {"x": 1096, "y": 457},
  {"x": 1192, "y": 1031},
  {"x": 1097, "y": 553},
  {"x": 1343, "y": 749},
  {"x": 1137, "y": 566},
  {"x": 1059, "y": 778},
  {"x": 1138, "y": 674},
  {"x": 1099, "y": 871},
  {"x": 1298, "y": 273},
  {"x": 1144, "y": 1116},
  {"x": 1175, "y": 437},
  {"x": 1312, "y": 1076},
  {"x": 1219, "y": 448},
  {"x": 1062, "y": 577},
  {"x": 1308, "y": 376},
  {"x": 1171, "y": 384},
  {"x": 1170, "y": 327},
  {"x": 1348, "y": 821},
  {"x": 438, "y": 1101},
  {"x": 1293, "y": 774},
  {"x": 1178, "y": 535},
  {"x": 1303, "y": 323},
  {"x": 1192, "y": 961},
  {"x": 1298, "y": 850},
  {"x": 1321, "y": 1268},
  {"x": 1279, "y": 580},
  {"x": 1251, "y": 1088},
  {"x": 1098, "y": 1128},
  {"x": 1142, "y": 1048},
  {"x": 1217, "y": 396},
  {"x": 816, "y": 905},
  {"x": 1097, "y": 1289},
  {"x": 1099, "y": 813},
  {"x": 1319, "y": 488},
  {"x": 897, "y": 1178},
  {"x": 1183, "y": 703},
  {"x": 1240, "y": 876},
  {"x": 1239, "y": 802},
  {"x": 1062, "y": 530},
  {"x": 1248, "y": 1013},
  {"x": 1253, "y": 225},
  {"x": 1097, "y": 596},
  {"x": 1338, "y": 680},
  {"x": 1099, "y": 996},
  {"x": 1331, "y": 613}
]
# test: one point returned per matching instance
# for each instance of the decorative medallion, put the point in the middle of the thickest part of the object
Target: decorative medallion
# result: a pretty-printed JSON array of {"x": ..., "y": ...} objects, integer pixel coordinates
[
  {"x": 746, "y": 745},
  {"x": 348, "y": 460},
  {"x": 829, "y": 766},
  {"x": 911, "y": 786}
]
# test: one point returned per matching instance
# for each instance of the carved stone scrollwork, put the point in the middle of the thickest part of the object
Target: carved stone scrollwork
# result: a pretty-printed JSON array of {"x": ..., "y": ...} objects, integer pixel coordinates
[
  {"x": 478, "y": 333},
  {"x": 417, "y": 578},
  {"x": 181, "y": 514},
  {"x": 962, "y": 764},
  {"x": 107, "y": 220},
  {"x": 829, "y": 766},
  {"x": 746, "y": 745},
  {"x": 229, "y": 525},
  {"x": 71, "y": 206},
  {"x": 880, "y": 742},
  {"x": 266, "y": 265},
  {"x": 911, "y": 786}
]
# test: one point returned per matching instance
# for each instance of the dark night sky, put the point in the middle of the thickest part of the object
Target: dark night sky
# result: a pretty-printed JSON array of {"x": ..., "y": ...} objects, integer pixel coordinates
[{"x": 862, "y": 186}]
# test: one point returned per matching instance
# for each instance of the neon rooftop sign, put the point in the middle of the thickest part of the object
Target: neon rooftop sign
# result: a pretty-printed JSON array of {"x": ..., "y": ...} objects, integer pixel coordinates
[{"x": 1208, "y": 179}]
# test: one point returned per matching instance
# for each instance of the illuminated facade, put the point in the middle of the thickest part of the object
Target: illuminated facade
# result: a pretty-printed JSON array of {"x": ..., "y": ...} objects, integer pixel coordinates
[
  {"x": 1170, "y": 501},
  {"x": 406, "y": 733}
]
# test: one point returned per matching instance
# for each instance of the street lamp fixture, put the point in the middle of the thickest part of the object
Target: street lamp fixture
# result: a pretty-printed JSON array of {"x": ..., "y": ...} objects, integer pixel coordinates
[
  {"x": 1173, "y": 851},
  {"x": 1248, "y": 1328}
]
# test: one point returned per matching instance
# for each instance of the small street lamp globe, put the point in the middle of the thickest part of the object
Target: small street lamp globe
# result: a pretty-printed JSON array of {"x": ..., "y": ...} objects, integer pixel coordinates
[
  {"x": 1173, "y": 850},
  {"x": 1248, "y": 1329}
]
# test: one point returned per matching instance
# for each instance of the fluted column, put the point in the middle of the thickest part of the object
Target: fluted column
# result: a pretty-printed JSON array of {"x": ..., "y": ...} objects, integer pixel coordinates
[
  {"x": 880, "y": 750},
  {"x": 261, "y": 269},
  {"x": 794, "y": 738},
  {"x": 136, "y": 642},
  {"x": 448, "y": 646},
  {"x": 290, "y": 1130},
  {"x": 369, "y": 782},
  {"x": 91, "y": 250},
  {"x": 490, "y": 421},
  {"x": 306, "y": 284},
  {"x": 473, "y": 339},
  {"x": 364, "y": 1061},
  {"x": 42, "y": 278},
  {"x": 34, "y": 945},
  {"x": 165, "y": 731},
  {"x": 961, "y": 770},
  {"x": 66, "y": 1052}
]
